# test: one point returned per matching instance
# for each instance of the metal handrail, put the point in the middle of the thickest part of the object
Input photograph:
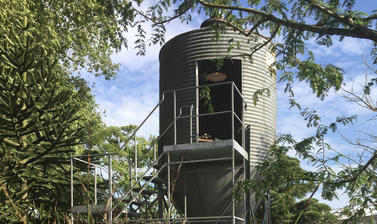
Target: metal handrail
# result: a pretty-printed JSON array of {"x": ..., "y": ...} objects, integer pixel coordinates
[
  {"x": 233, "y": 86},
  {"x": 163, "y": 99},
  {"x": 150, "y": 114},
  {"x": 207, "y": 85},
  {"x": 150, "y": 167},
  {"x": 90, "y": 164},
  {"x": 239, "y": 120}
]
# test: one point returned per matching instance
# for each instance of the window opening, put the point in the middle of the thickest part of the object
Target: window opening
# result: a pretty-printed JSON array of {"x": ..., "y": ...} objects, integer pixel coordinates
[{"x": 214, "y": 99}]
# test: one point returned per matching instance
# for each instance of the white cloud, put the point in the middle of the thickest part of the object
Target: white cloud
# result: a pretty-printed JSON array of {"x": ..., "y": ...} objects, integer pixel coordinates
[
  {"x": 336, "y": 203},
  {"x": 130, "y": 110},
  {"x": 349, "y": 46}
]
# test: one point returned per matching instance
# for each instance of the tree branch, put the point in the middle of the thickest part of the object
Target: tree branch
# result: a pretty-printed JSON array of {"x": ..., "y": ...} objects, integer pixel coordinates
[
  {"x": 371, "y": 17},
  {"x": 358, "y": 32},
  {"x": 12, "y": 203},
  {"x": 361, "y": 101},
  {"x": 159, "y": 22},
  {"x": 268, "y": 40},
  {"x": 332, "y": 13}
]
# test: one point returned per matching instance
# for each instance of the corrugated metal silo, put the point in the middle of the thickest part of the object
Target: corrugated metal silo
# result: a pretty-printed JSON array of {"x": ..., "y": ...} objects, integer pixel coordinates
[{"x": 181, "y": 59}]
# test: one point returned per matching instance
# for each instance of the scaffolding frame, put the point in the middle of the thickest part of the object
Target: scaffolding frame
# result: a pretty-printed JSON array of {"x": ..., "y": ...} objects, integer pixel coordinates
[
  {"x": 245, "y": 164},
  {"x": 108, "y": 207}
]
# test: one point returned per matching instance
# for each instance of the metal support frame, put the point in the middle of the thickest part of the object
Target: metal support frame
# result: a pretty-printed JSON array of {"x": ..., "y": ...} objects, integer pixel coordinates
[
  {"x": 218, "y": 219},
  {"x": 233, "y": 115},
  {"x": 135, "y": 161},
  {"x": 110, "y": 201},
  {"x": 110, "y": 185},
  {"x": 245, "y": 164},
  {"x": 175, "y": 117},
  {"x": 233, "y": 162},
  {"x": 247, "y": 177},
  {"x": 71, "y": 188},
  {"x": 169, "y": 190}
]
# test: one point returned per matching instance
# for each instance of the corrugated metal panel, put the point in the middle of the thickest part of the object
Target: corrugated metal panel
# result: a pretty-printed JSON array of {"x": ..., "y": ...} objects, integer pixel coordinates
[{"x": 177, "y": 70}]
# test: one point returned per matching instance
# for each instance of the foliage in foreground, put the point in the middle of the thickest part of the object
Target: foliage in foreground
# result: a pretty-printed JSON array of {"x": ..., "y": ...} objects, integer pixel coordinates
[
  {"x": 42, "y": 118},
  {"x": 288, "y": 185}
]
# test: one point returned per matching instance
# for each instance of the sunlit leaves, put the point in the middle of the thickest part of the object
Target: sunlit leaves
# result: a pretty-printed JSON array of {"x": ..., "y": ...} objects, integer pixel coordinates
[
  {"x": 140, "y": 41},
  {"x": 42, "y": 118},
  {"x": 289, "y": 186},
  {"x": 259, "y": 93},
  {"x": 320, "y": 79},
  {"x": 368, "y": 86},
  {"x": 84, "y": 33}
]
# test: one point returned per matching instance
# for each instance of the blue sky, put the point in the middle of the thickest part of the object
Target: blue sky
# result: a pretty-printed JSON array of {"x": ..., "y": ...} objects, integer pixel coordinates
[{"x": 131, "y": 96}]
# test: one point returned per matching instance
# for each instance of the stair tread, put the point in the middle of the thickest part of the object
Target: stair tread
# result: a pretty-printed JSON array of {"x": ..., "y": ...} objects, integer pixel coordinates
[
  {"x": 157, "y": 166},
  {"x": 131, "y": 213},
  {"x": 155, "y": 179},
  {"x": 145, "y": 191}
]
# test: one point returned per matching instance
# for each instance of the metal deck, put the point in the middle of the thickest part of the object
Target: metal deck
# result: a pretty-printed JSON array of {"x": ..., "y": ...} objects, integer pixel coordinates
[{"x": 207, "y": 150}]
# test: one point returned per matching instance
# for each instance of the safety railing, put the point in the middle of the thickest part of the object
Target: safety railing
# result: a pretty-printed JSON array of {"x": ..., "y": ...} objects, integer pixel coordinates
[
  {"x": 234, "y": 117},
  {"x": 234, "y": 92}
]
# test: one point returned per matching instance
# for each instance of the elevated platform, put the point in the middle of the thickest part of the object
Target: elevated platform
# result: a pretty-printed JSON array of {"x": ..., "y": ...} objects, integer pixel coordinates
[
  {"x": 94, "y": 209},
  {"x": 208, "y": 150}
]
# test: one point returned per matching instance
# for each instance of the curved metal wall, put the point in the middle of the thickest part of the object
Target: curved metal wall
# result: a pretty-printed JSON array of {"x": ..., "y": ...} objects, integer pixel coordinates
[
  {"x": 209, "y": 185},
  {"x": 178, "y": 69}
]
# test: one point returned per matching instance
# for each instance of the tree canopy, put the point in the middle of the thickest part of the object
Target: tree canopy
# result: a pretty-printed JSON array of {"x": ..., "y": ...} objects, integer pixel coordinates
[
  {"x": 290, "y": 186},
  {"x": 83, "y": 33}
]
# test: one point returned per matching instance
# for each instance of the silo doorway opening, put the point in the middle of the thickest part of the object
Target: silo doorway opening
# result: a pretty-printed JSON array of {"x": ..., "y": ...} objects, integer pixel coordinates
[{"x": 215, "y": 99}]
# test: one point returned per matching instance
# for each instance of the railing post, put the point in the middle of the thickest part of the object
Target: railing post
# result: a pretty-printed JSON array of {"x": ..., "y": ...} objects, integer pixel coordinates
[
  {"x": 95, "y": 185},
  {"x": 232, "y": 108},
  {"x": 269, "y": 207},
  {"x": 243, "y": 123},
  {"x": 233, "y": 162},
  {"x": 191, "y": 108},
  {"x": 135, "y": 145},
  {"x": 185, "y": 199},
  {"x": 130, "y": 172},
  {"x": 249, "y": 209},
  {"x": 110, "y": 207},
  {"x": 169, "y": 197},
  {"x": 233, "y": 183},
  {"x": 175, "y": 116},
  {"x": 71, "y": 189}
]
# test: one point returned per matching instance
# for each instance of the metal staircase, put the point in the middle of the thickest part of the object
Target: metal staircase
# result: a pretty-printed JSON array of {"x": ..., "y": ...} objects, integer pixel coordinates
[{"x": 138, "y": 203}]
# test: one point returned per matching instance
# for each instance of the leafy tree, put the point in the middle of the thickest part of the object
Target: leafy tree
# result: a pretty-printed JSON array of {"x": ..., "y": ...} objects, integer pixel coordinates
[
  {"x": 83, "y": 33},
  {"x": 290, "y": 185},
  {"x": 41, "y": 40},
  {"x": 42, "y": 110},
  {"x": 47, "y": 113},
  {"x": 358, "y": 177},
  {"x": 119, "y": 141}
]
